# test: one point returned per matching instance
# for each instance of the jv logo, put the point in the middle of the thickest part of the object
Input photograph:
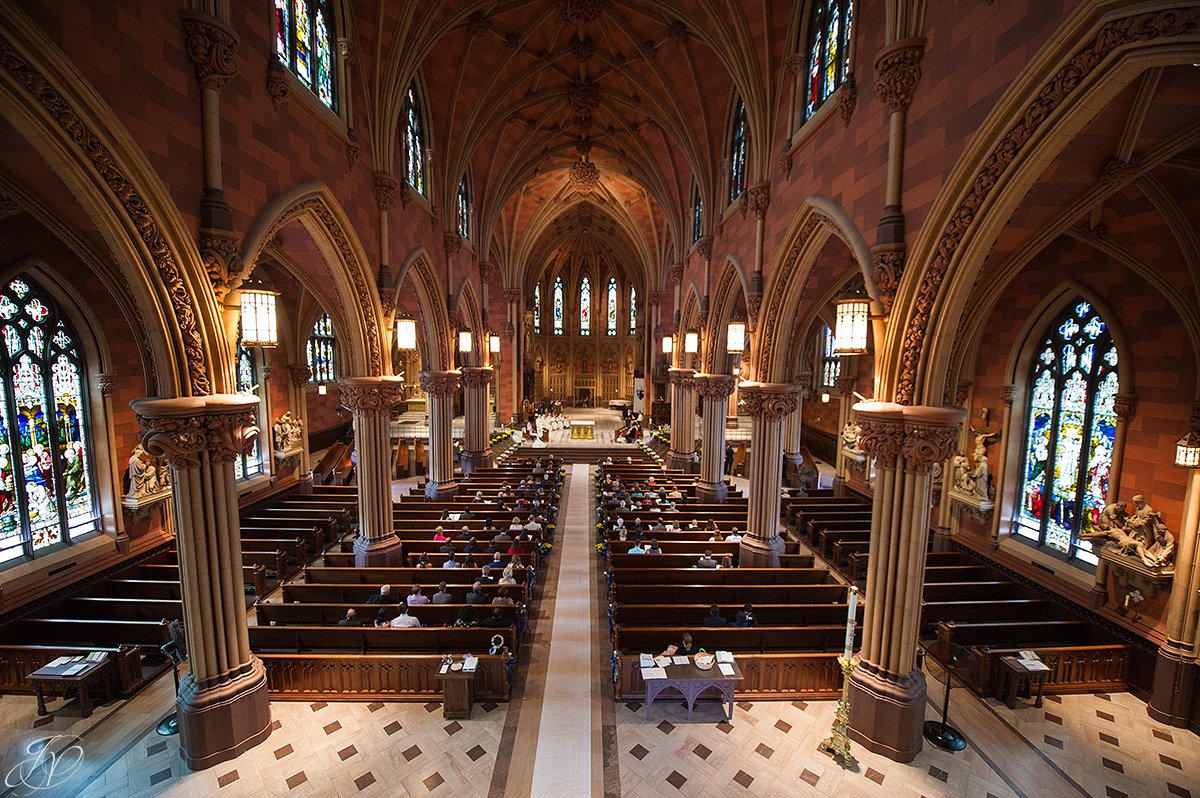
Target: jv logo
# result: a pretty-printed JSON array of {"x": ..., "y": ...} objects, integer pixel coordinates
[{"x": 48, "y": 763}]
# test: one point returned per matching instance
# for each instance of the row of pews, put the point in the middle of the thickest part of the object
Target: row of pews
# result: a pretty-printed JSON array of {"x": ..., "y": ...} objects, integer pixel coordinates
[{"x": 969, "y": 602}]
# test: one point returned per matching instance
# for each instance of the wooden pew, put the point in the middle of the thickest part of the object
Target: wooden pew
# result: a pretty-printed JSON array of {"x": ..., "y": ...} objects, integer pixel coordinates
[
  {"x": 430, "y": 615},
  {"x": 356, "y": 594},
  {"x": 689, "y": 615},
  {"x": 722, "y": 576},
  {"x": 756, "y": 639},
  {"x": 368, "y": 639},
  {"x": 396, "y": 576}
]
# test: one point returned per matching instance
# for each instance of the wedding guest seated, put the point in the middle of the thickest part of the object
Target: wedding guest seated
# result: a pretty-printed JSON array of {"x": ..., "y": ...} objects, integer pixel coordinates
[
  {"x": 497, "y": 620},
  {"x": 442, "y": 596},
  {"x": 424, "y": 562},
  {"x": 351, "y": 619},
  {"x": 485, "y": 576},
  {"x": 497, "y": 561},
  {"x": 439, "y": 534},
  {"x": 472, "y": 547},
  {"x": 733, "y": 536},
  {"x": 714, "y": 616},
  {"x": 636, "y": 548},
  {"x": 451, "y": 562},
  {"x": 502, "y": 597},
  {"x": 466, "y": 618},
  {"x": 726, "y": 562},
  {"x": 507, "y": 577},
  {"x": 384, "y": 596},
  {"x": 384, "y": 616},
  {"x": 477, "y": 596},
  {"x": 745, "y": 616},
  {"x": 707, "y": 560},
  {"x": 404, "y": 620},
  {"x": 654, "y": 548},
  {"x": 417, "y": 597},
  {"x": 464, "y": 533},
  {"x": 683, "y": 648}
]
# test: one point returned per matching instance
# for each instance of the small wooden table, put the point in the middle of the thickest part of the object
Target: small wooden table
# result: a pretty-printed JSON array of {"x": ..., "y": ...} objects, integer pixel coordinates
[
  {"x": 81, "y": 682},
  {"x": 691, "y": 681},
  {"x": 1013, "y": 674},
  {"x": 458, "y": 693}
]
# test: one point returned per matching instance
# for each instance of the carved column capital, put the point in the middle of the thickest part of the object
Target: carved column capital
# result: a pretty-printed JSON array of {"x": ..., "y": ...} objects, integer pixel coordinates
[
  {"x": 452, "y": 242},
  {"x": 512, "y": 295},
  {"x": 704, "y": 246},
  {"x": 299, "y": 375},
  {"x": 924, "y": 435},
  {"x": 371, "y": 394},
  {"x": 487, "y": 271},
  {"x": 682, "y": 377},
  {"x": 656, "y": 297},
  {"x": 880, "y": 431},
  {"x": 795, "y": 63},
  {"x": 180, "y": 430},
  {"x": 887, "y": 267},
  {"x": 439, "y": 383},
  {"x": 386, "y": 187},
  {"x": 475, "y": 377},
  {"x": 107, "y": 384},
  {"x": 1125, "y": 405},
  {"x": 715, "y": 386},
  {"x": 675, "y": 273},
  {"x": 213, "y": 47},
  {"x": 759, "y": 197},
  {"x": 845, "y": 386},
  {"x": 769, "y": 401},
  {"x": 1008, "y": 395},
  {"x": 899, "y": 70},
  {"x": 221, "y": 252},
  {"x": 847, "y": 98}
]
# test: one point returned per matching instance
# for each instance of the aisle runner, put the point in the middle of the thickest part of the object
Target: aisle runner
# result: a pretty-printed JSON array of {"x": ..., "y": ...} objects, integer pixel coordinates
[{"x": 564, "y": 743}]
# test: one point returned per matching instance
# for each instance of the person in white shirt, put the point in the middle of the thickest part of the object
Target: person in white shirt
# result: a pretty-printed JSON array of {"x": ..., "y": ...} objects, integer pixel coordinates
[
  {"x": 417, "y": 597},
  {"x": 404, "y": 620},
  {"x": 733, "y": 536},
  {"x": 451, "y": 562}
]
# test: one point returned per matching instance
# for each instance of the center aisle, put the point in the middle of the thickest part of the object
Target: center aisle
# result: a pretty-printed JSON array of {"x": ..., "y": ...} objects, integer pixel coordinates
[{"x": 564, "y": 743}]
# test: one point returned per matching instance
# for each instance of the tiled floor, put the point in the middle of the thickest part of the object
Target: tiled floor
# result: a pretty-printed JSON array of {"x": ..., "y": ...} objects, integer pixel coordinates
[{"x": 1074, "y": 746}]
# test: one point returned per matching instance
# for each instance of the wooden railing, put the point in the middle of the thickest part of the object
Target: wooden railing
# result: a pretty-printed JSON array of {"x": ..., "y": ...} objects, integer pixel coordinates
[
  {"x": 373, "y": 677},
  {"x": 1073, "y": 669},
  {"x": 17, "y": 662},
  {"x": 767, "y": 677}
]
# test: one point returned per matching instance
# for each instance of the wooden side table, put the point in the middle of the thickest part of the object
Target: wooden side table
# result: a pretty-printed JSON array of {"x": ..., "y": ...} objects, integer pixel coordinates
[
  {"x": 81, "y": 683},
  {"x": 1013, "y": 674},
  {"x": 458, "y": 693}
]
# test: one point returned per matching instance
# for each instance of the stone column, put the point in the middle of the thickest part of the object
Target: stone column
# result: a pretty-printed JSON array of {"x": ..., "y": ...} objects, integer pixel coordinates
[
  {"x": 792, "y": 434},
  {"x": 222, "y": 701},
  {"x": 887, "y": 689},
  {"x": 370, "y": 400},
  {"x": 440, "y": 387},
  {"x": 476, "y": 452},
  {"x": 767, "y": 403},
  {"x": 299, "y": 376},
  {"x": 683, "y": 418},
  {"x": 714, "y": 391},
  {"x": 1008, "y": 395},
  {"x": 1175, "y": 671},
  {"x": 845, "y": 390}
]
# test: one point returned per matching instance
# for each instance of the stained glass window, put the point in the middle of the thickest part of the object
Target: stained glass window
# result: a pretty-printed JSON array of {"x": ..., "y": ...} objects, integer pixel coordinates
[
  {"x": 464, "y": 208},
  {"x": 697, "y": 214},
  {"x": 249, "y": 463},
  {"x": 304, "y": 43},
  {"x": 558, "y": 305},
  {"x": 831, "y": 365},
  {"x": 322, "y": 351},
  {"x": 611, "y": 326},
  {"x": 46, "y": 490},
  {"x": 537, "y": 309},
  {"x": 585, "y": 306},
  {"x": 1070, "y": 432},
  {"x": 737, "y": 153},
  {"x": 414, "y": 142},
  {"x": 632, "y": 310},
  {"x": 827, "y": 51}
]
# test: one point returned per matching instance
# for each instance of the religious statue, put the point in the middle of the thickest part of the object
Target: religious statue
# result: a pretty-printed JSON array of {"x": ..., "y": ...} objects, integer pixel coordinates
[
  {"x": 146, "y": 478},
  {"x": 960, "y": 472},
  {"x": 982, "y": 473},
  {"x": 1140, "y": 534},
  {"x": 850, "y": 434},
  {"x": 288, "y": 429}
]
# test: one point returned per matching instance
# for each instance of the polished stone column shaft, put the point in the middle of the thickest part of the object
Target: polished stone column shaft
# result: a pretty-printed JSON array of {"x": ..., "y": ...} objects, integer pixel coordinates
[
  {"x": 370, "y": 401},
  {"x": 714, "y": 391},
  {"x": 476, "y": 452},
  {"x": 767, "y": 405},
  {"x": 222, "y": 701},
  {"x": 887, "y": 689},
  {"x": 683, "y": 418},
  {"x": 440, "y": 387}
]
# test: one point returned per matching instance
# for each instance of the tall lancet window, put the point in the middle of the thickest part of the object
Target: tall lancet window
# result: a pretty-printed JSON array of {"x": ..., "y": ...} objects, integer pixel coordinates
[
  {"x": 611, "y": 327},
  {"x": 828, "y": 50},
  {"x": 47, "y": 495},
  {"x": 537, "y": 309},
  {"x": 737, "y": 153},
  {"x": 321, "y": 351},
  {"x": 585, "y": 307},
  {"x": 414, "y": 143},
  {"x": 632, "y": 310},
  {"x": 558, "y": 305},
  {"x": 1070, "y": 430},
  {"x": 304, "y": 43},
  {"x": 249, "y": 463}
]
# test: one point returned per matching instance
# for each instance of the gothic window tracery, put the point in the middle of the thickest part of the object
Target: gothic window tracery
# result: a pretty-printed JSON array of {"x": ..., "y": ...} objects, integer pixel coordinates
[
  {"x": 414, "y": 143},
  {"x": 827, "y": 51},
  {"x": 697, "y": 214},
  {"x": 1070, "y": 431},
  {"x": 737, "y": 153},
  {"x": 537, "y": 309},
  {"x": 464, "y": 208},
  {"x": 47, "y": 494},
  {"x": 248, "y": 463},
  {"x": 304, "y": 44},
  {"x": 611, "y": 327},
  {"x": 585, "y": 306},
  {"x": 558, "y": 305},
  {"x": 321, "y": 351},
  {"x": 831, "y": 365},
  {"x": 632, "y": 310}
]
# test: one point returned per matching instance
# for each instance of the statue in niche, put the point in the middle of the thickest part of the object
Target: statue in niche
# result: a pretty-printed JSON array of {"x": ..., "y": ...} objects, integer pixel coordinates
[
  {"x": 982, "y": 473},
  {"x": 146, "y": 477},
  {"x": 1141, "y": 534},
  {"x": 288, "y": 429},
  {"x": 850, "y": 434}
]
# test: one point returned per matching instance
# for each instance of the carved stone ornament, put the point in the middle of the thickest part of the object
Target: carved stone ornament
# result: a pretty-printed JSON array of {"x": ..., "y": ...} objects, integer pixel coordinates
[
  {"x": 149, "y": 480},
  {"x": 42, "y": 92},
  {"x": 180, "y": 430},
  {"x": 926, "y": 444},
  {"x": 221, "y": 253},
  {"x": 1141, "y": 535},
  {"x": 880, "y": 438},
  {"x": 406, "y": 194},
  {"x": 1125, "y": 405},
  {"x": 371, "y": 394},
  {"x": 805, "y": 380},
  {"x": 743, "y": 204},
  {"x": 715, "y": 386},
  {"x": 1117, "y": 33},
  {"x": 580, "y": 11},
  {"x": 512, "y": 295},
  {"x": 1008, "y": 395},
  {"x": 277, "y": 84},
  {"x": 759, "y": 198},
  {"x": 675, "y": 273},
  {"x": 704, "y": 246},
  {"x": 213, "y": 48},
  {"x": 299, "y": 375},
  {"x": 487, "y": 271},
  {"x": 847, "y": 98},
  {"x": 769, "y": 401},
  {"x": 584, "y": 176},
  {"x": 899, "y": 70},
  {"x": 1117, "y": 172},
  {"x": 439, "y": 383},
  {"x": 107, "y": 384},
  {"x": 453, "y": 243},
  {"x": 785, "y": 164},
  {"x": 656, "y": 298},
  {"x": 386, "y": 187},
  {"x": 477, "y": 23},
  {"x": 8, "y": 207},
  {"x": 353, "y": 153},
  {"x": 887, "y": 270},
  {"x": 845, "y": 386},
  {"x": 288, "y": 431},
  {"x": 476, "y": 378},
  {"x": 795, "y": 63},
  {"x": 682, "y": 378}
]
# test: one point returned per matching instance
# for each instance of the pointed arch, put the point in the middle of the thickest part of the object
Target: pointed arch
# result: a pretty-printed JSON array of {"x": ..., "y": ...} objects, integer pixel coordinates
[
  {"x": 732, "y": 283},
  {"x": 314, "y": 206},
  {"x": 435, "y": 321},
  {"x": 471, "y": 315}
]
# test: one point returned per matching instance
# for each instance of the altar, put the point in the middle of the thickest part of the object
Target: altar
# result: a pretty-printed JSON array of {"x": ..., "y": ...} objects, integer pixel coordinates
[{"x": 583, "y": 430}]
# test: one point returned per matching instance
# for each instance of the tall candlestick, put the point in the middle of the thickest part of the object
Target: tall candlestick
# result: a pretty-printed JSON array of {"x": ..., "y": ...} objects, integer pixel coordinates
[{"x": 851, "y": 618}]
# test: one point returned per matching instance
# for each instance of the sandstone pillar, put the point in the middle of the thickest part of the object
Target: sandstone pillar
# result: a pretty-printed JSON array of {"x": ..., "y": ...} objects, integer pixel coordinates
[
  {"x": 222, "y": 702},
  {"x": 476, "y": 451},
  {"x": 792, "y": 436},
  {"x": 370, "y": 400},
  {"x": 887, "y": 689},
  {"x": 683, "y": 418},
  {"x": 767, "y": 404},
  {"x": 714, "y": 391},
  {"x": 440, "y": 387}
]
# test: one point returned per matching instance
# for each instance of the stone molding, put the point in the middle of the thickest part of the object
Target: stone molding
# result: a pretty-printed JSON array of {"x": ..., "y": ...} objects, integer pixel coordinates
[
  {"x": 704, "y": 246},
  {"x": 512, "y": 295},
  {"x": 656, "y": 297},
  {"x": 107, "y": 384},
  {"x": 923, "y": 435},
  {"x": 181, "y": 430},
  {"x": 715, "y": 386},
  {"x": 847, "y": 98},
  {"x": 1008, "y": 395},
  {"x": 476, "y": 377},
  {"x": 887, "y": 268},
  {"x": 845, "y": 386},
  {"x": 440, "y": 383},
  {"x": 371, "y": 394},
  {"x": 899, "y": 70},
  {"x": 221, "y": 252},
  {"x": 685, "y": 378},
  {"x": 277, "y": 84},
  {"x": 769, "y": 401},
  {"x": 213, "y": 48},
  {"x": 759, "y": 199},
  {"x": 299, "y": 375},
  {"x": 1125, "y": 405},
  {"x": 386, "y": 188}
]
